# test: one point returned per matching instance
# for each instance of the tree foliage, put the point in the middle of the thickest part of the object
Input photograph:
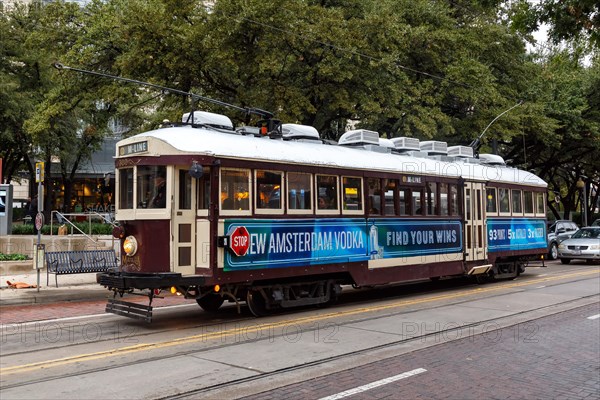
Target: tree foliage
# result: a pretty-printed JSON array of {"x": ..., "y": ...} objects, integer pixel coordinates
[{"x": 432, "y": 70}]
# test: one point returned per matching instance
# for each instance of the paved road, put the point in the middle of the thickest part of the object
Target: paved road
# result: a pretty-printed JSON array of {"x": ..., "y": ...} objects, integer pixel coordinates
[
  {"x": 551, "y": 357},
  {"x": 378, "y": 334}
]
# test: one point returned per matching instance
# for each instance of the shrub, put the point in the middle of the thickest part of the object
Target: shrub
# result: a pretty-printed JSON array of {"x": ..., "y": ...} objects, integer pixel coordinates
[
  {"x": 12, "y": 257},
  {"x": 96, "y": 229}
]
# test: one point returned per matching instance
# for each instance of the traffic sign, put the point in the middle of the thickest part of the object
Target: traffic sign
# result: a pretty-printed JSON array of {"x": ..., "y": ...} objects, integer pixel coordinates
[
  {"x": 239, "y": 241},
  {"x": 39, "y": 172},
  {"x": 39, "y": 221}
]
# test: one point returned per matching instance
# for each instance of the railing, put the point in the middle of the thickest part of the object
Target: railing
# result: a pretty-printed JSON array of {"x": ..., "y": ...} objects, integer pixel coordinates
[{"x": 64, "y": 219}]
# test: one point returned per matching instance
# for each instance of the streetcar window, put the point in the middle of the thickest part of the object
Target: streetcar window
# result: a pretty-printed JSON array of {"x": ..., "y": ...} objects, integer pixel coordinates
[
  {"x": 504, "y": 200},
  {"x": 528, "y": 202},
  {"x": 204, "y": 189},
  {"x": 416, "y": 202},
  {"x": 517, "y": 208},
  {"x": 126, "y": 188},
  {"x": 185, "y": 190},
  {"x": 453, "y": 199},
  {"x": 268, "y": 190},
  {"x": 352, "y": 193},
  {"x": 299, "y": 192},
  {"x": 444, "y": 206},
  {"x": 391, "y": 196},
  {"x": 491, "y": 200},
  {"x": 431, "y": 198},
  {"x": 404, "y": 197},
  {"x": 468, "y": 204},
  {"x": 327, "y": 192},
  {"x": 235, "y": 189},
  {"x": 540, "y": 203},
  {"x": 151, "y": 186},
  {"x": 374, "y": 196}
]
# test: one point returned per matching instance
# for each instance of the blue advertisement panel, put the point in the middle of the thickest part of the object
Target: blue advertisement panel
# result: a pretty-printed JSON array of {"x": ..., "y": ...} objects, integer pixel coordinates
[
  {"x": 283, "y": 243},
  {"x": 516, "y": 234},
  {"x": 401, "y": 238}
]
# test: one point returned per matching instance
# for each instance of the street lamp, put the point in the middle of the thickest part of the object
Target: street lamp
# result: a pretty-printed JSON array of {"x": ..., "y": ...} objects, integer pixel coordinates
[{"x": 581, "y": 186}]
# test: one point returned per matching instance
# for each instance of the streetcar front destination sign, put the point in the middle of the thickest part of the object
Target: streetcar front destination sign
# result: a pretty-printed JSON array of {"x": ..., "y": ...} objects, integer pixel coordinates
[{"x": 138, "y": 147}]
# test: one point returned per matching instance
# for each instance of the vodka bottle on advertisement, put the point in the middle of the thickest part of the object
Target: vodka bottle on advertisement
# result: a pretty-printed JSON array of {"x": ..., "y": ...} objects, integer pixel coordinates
[{"x": 374, "y": 250}]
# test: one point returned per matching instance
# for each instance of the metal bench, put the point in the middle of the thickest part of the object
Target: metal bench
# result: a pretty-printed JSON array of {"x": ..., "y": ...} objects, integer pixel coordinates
[{"x": 79, "y": 262}]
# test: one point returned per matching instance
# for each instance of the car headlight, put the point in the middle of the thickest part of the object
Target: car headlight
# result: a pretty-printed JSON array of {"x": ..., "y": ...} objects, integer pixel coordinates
[
  {"x": 595, "y": 247},
  {"x": 130, "y": 245},
  {"x": 562, "y": 246}
]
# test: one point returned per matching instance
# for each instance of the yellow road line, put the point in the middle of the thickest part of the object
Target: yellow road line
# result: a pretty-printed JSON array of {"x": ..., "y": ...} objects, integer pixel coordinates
[{"x": 251, "y": 329}]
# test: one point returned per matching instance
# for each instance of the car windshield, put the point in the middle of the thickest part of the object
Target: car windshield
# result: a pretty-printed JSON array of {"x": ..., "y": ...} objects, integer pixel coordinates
[{"x": 592, "y": 233}]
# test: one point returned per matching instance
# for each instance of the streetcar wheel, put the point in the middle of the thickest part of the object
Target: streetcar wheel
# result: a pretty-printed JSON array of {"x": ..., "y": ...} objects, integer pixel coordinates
[
  {"x": 333, "y": 296},
  {"x": 565, "y": 260},
  {"x": 553, "y": 251},
  {"x": 256, "y": 303},
  {"x": 211, "y": 302}
]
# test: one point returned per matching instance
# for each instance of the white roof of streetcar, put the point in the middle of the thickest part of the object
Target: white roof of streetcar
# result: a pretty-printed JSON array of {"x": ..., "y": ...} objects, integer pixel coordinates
[{"x": 219, "y": 143}]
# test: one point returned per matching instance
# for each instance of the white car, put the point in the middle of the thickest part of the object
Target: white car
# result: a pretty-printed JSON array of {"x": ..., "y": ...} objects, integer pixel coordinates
[{"x": 583, "y": 245}]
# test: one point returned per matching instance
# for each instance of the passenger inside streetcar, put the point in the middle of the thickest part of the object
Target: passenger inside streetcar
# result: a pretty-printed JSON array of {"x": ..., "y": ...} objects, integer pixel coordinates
[{"x": 159, "y": 198}]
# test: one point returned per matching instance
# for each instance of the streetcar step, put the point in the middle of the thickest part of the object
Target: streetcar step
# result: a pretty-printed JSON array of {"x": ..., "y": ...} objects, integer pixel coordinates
[{"x": 131, "y": 310}]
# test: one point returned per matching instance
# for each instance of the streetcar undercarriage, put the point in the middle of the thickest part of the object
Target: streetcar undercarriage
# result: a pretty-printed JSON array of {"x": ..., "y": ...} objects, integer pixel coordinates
[{"x": 261, "y": 298}]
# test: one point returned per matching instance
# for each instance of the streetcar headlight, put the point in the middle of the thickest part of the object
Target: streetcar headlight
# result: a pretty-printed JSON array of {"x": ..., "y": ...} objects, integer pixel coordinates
[{"x": 130, "y": 245}]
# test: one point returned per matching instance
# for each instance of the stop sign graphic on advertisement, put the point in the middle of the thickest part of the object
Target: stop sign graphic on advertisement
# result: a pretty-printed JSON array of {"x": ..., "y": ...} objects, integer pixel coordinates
[{"x": 239, "y": 241}]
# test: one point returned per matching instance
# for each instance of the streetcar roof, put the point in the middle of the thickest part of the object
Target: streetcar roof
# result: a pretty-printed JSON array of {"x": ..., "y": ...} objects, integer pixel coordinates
[{"x": 212, "y": 142}]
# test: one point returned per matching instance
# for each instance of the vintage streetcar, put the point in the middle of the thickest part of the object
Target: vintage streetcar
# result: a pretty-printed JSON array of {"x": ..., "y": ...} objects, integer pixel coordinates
[{"x": 276, "y": 217}]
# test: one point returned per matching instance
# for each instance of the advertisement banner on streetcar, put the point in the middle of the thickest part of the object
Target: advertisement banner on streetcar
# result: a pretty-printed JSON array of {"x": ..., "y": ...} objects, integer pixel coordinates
[
  {"x": 284, "y": 243},
  {"x": 516, "y": 234}
]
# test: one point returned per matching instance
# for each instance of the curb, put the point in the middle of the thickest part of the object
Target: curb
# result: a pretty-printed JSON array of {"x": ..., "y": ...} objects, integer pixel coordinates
[{"x": 14, "y": 297}]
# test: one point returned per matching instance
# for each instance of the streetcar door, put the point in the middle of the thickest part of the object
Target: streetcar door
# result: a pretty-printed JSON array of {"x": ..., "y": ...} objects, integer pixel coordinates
[
  {"x": 183, "y": 228},
  {"x": 475, "y": 229}
]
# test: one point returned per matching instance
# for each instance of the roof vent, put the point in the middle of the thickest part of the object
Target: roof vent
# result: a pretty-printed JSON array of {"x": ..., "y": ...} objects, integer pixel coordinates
[
  {"x": 433, "y": 147},
  {"x": 404, "y": 144},
  {"x": 491, "y": 159},
  {"x": 359, "y": 137},
  {"x": 383, "y": 142},
  {"x": 208, "y": 118},
  {"x": 460, "y": 151},
  {"x": 295, "y": 131}
]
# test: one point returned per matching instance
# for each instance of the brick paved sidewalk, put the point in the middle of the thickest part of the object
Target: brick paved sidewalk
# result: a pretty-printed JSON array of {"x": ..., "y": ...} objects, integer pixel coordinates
[
  {"x": 552, "y": 357},
  {"x": 38, "y": 312}
]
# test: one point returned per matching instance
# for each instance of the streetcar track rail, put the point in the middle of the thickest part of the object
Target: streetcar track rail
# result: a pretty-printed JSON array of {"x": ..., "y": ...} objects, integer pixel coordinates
[
  {"x": 307, "y": 365},
  {"x": 221, "y": 321},
  {"x": 261, "y": 374}
]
